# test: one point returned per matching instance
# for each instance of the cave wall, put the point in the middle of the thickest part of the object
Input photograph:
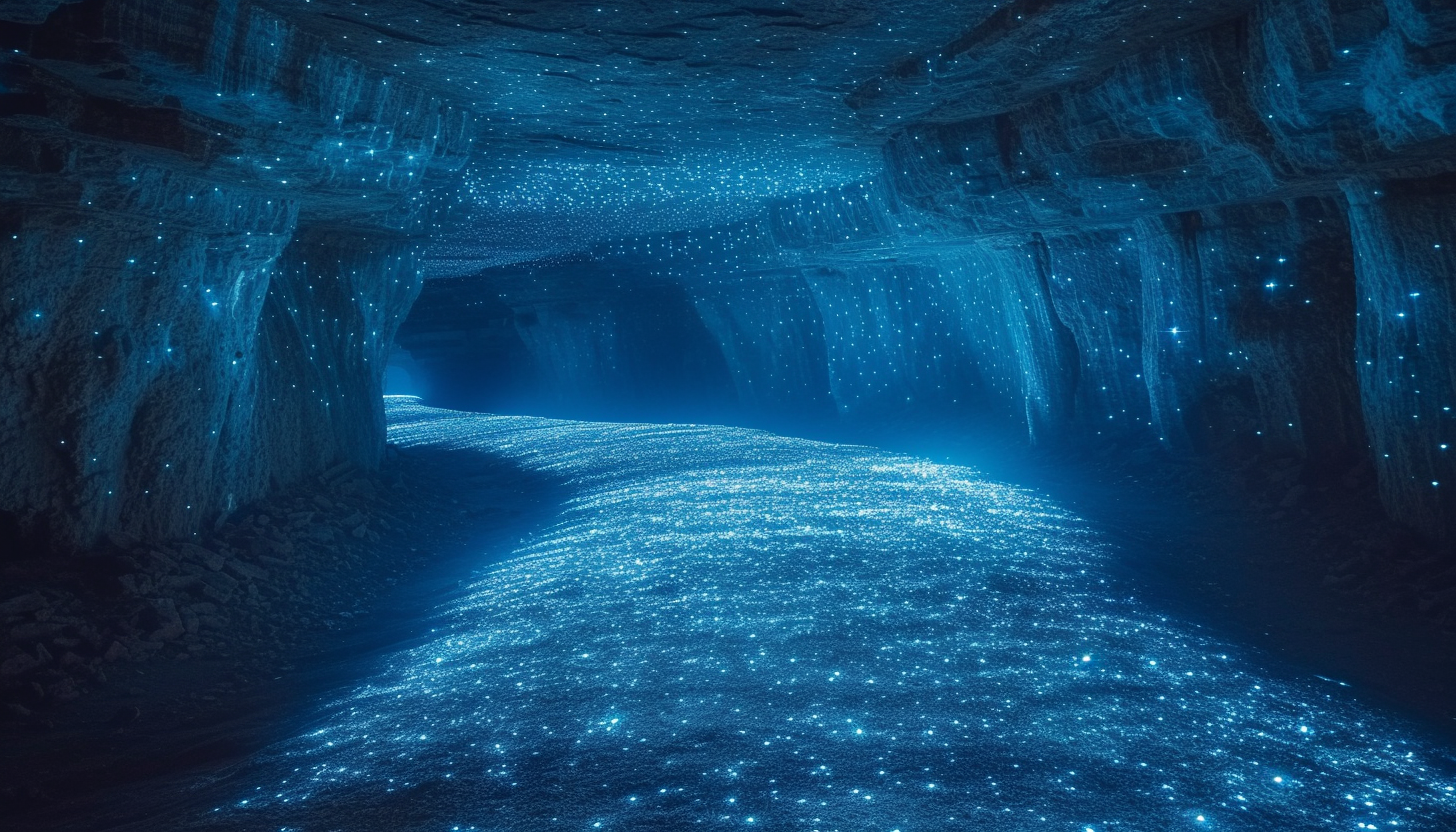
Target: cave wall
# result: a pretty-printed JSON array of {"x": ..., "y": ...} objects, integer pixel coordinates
[
  {"x": 129, "y": 338},
  {"x": 1405, "y": 354},
  {"x": 210, "y": 231},
  {"x": 334, "y": 302},
  {"x": 1225, "y": 230},
  {"x": 581, "y": 339},
  {"x": 1282, "y": 179}
]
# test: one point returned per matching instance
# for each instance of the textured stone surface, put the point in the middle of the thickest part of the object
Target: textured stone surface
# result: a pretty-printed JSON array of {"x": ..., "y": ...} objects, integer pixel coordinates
[
  {"x": 131, "y": 325},
  {"x": 1406, "y": 341},
  {"x": 1194, "y": 223},
  {"x": 207, "y": 220}
]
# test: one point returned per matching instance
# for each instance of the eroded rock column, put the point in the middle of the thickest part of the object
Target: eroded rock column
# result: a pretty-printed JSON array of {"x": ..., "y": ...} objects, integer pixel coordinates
[{"x": 1406, "y": 337}]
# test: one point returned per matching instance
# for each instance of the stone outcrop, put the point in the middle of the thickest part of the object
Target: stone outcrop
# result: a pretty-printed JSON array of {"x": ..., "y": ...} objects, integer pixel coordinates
[{"x": 210, "y": 220}]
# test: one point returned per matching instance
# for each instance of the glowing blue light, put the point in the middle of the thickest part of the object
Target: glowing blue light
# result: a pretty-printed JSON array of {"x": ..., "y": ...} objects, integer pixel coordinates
[{"x": 718, "y": 617}]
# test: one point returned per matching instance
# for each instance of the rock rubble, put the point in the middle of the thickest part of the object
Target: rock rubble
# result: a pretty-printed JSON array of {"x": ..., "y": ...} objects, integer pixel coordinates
[{"x": 263, "y": 580}]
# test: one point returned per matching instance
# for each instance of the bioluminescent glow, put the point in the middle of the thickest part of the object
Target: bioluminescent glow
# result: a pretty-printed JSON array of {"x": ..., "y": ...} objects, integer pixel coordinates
[{"x": 729, "y": 629}]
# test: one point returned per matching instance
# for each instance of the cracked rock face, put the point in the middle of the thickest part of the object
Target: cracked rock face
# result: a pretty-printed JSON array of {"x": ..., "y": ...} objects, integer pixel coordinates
[{"x": 1205, "y": 224}]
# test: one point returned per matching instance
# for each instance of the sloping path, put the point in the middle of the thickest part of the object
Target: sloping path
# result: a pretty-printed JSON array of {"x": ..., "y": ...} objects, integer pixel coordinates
[{"x": 725, "y": 628}]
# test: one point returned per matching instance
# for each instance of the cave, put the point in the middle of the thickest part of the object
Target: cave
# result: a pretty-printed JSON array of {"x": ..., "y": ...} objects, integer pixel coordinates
[{"x": 796, "y": 415}]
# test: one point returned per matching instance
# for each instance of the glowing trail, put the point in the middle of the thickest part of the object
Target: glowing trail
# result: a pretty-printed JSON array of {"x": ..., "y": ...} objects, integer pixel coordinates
[{"x": 731, "y": 629}]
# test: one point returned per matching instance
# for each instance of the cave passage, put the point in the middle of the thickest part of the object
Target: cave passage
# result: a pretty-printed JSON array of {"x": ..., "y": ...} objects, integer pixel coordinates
[
  {"x": 725, "y": 628},
  {"x": 1082, "y": 375}
]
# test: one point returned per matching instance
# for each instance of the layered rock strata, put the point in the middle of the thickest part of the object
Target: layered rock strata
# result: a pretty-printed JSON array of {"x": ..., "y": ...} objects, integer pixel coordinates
[{"x": 210, "y": 219}]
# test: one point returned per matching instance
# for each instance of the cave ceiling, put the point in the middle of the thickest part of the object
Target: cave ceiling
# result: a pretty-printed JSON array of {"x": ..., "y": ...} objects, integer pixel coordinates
[{"x": 594, "y": 121}]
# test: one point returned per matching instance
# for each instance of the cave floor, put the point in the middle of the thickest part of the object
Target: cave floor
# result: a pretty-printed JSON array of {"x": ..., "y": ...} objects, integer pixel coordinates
[
  {"x": 1332, "y": 587},
  {"x": 686, "y": 626}
]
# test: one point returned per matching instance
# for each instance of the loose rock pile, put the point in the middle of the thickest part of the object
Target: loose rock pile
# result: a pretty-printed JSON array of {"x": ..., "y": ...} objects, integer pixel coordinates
[{"x": 267, "y": 576}]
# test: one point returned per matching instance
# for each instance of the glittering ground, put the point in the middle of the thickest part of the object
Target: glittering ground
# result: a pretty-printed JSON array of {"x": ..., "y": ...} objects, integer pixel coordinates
[{"x": 725, "y": 628}]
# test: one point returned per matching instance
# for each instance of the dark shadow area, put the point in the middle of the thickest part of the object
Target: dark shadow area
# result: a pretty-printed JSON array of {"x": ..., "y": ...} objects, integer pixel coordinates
[
  {"x": 577, "y": 341},
  {"x": 109, "y": 775}
]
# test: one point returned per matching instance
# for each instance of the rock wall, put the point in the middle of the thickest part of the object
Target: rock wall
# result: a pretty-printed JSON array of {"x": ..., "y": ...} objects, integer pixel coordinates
[
  {"x": 130, "y": 329},
  {"x": 1217, "y": 226},
  {"x": 334, "y": 302},
  {"x": 1405, "y": 339},
  {"x": 210, "y": 221},
  {"x": 575, "y": 339},
  {"x": 1282, "y": 180}
]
